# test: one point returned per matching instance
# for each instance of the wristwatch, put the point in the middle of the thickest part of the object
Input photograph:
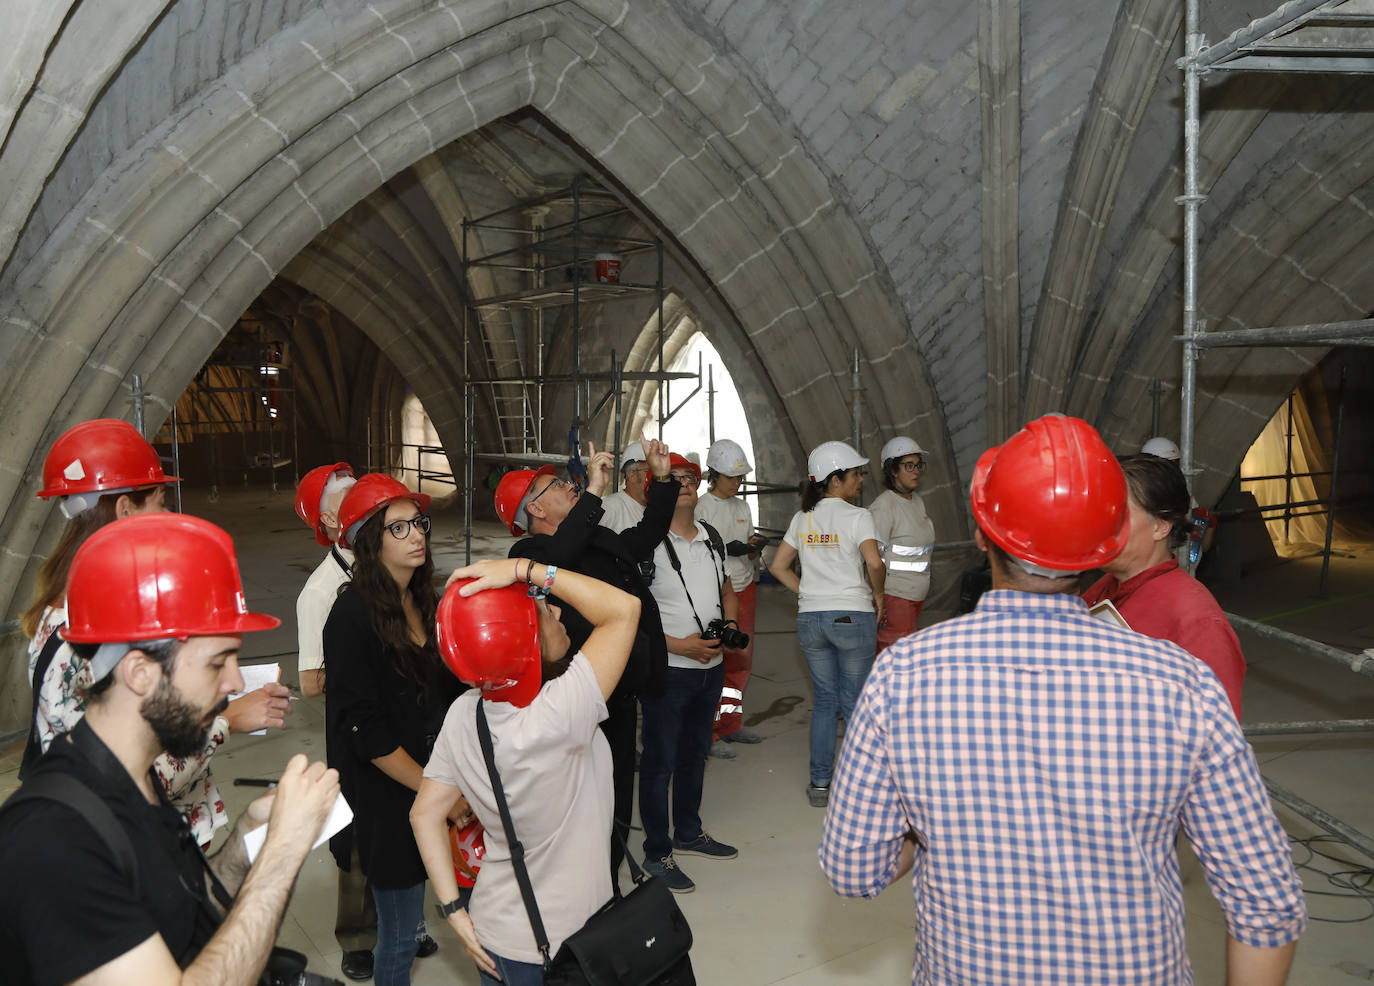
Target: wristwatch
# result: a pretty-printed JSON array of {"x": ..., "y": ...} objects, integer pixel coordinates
[{"x": 446, "y": 909}]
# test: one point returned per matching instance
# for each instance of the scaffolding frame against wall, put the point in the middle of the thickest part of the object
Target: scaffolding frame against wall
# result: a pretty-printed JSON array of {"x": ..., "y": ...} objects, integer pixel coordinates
[
  {"x": 564, "y": 265},
  {"x": 1331, "y": 36}
]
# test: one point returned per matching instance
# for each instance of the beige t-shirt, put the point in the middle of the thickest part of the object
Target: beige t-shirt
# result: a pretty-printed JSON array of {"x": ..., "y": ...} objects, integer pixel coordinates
[
  {"x": 731, "y": 517},
  {"x": 907, "y": 537},
  {"x": 555, "y": 767}
]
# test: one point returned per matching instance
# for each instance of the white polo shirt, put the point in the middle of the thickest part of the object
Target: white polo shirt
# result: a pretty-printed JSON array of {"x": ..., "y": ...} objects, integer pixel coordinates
[
  {"x": 313, "y": 606},
  {"x": 703, "y": 575}
]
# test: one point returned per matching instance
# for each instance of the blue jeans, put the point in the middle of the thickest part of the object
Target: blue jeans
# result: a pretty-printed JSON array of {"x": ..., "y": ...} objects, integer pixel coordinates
[
  {"x": 513, "y": 973},
  {"x": 399, "y": 916},
  {"x": 839, "y": 656},
  {"x": 677, "y": 738}
]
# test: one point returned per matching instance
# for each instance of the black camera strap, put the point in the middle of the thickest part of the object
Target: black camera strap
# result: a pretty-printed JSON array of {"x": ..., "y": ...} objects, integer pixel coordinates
[{"x": 713, "y": 544}]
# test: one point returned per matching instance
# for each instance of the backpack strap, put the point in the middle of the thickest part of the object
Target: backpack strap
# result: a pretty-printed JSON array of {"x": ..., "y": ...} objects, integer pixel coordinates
[
  {"x": 67, "y": 790},
  {"x": 33, "y": 749}
]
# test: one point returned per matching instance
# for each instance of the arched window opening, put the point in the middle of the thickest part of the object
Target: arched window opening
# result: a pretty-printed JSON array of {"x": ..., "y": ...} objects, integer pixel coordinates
[
  {"x": 422, "y": 463},
  {"x": 689, "y": 431}
]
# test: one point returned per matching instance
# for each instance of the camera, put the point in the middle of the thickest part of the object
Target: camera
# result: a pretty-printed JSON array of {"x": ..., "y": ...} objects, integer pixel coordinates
[{"x": 729, "y": 634}]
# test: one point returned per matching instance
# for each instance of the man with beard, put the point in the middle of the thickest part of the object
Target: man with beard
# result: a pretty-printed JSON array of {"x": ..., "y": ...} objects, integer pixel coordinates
[{"x": 156, "y": 607}]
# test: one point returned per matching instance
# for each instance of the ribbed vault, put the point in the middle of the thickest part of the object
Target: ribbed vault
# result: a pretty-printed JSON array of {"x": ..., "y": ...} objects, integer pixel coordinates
[{"x": 979, "y": 198}]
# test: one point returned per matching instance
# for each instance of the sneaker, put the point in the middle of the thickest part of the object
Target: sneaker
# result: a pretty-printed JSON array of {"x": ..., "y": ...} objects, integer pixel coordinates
[
  {"x": 357, "y": 965},
  {"x": 721, "y": 750},
  {"x": 425, "y": 946},
  {"x": 704, "y": 845},
  {"x": 744, "y": 735},
  {"x": 666, "y": 870},
  {"x": 818, "y": 796}
]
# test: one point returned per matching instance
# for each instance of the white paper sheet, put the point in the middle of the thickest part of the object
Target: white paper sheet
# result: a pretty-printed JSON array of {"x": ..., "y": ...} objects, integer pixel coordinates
[
  {"x": 254, "y": 677},
  {"x": 339, "y": 816}
]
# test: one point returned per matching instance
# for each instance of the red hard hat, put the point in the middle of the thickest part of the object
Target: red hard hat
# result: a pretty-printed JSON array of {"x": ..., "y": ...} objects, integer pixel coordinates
[
  {"x": 310, "y": 491},
  {"x": 366, "y": 496},
  {"x": 676, "y": 461},
  {"x": 1053, "y": 495},
  {"x": 511, "y": 490},
  {"x": 103, "y": 454},
  {"x": 491, "y": 641},
  {"x": 155, "y": 576}
]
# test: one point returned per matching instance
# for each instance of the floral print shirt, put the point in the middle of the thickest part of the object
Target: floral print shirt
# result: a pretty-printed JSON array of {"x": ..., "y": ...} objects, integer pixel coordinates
[{"x": 62, "y": 703}]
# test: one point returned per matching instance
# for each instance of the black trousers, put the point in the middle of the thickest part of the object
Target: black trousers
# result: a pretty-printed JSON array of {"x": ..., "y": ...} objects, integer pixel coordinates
[{"x": 620, "y": 728}]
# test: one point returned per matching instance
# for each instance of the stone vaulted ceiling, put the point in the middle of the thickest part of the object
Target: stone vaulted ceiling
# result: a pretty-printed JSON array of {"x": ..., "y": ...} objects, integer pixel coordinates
[{"x": 978, "y": 197}]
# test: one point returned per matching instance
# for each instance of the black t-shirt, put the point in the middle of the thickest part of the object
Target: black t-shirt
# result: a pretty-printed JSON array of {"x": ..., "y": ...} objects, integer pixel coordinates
[{"x": 65, "y": 907}]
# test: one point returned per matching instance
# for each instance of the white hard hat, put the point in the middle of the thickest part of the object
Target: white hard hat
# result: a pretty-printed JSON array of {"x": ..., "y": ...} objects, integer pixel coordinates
[
  {"x": 634, "y": 452},
  {"x": 727, "y": 458},
  {"x": 828, "y": 457},
  {"x": 1161, "y": 447},
  {"x": 900, "y": 447}
]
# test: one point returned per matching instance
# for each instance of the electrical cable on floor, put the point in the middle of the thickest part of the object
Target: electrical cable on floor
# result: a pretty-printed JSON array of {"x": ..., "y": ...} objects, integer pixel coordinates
[{"x": 1352, "y": 884}]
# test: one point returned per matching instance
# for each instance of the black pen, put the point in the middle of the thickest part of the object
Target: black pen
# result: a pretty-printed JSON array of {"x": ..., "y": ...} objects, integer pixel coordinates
[{"x": 253, "y": 782}]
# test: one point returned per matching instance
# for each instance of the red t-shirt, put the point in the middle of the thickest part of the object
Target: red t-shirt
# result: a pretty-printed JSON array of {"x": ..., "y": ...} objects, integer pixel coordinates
[{"x": 1167, "y": 603}]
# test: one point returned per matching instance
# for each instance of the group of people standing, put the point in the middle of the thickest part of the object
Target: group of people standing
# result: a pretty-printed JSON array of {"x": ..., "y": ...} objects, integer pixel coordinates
[{"x": 515, "y": 703}]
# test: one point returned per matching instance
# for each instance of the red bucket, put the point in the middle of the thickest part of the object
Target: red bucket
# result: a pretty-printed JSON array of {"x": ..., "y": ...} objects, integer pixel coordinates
[{"x": 607, "y": 268}]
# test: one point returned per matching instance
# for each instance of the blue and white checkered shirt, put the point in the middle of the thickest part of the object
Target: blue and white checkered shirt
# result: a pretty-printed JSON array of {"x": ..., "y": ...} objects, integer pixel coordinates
[{"x": 1045, "y": 760}]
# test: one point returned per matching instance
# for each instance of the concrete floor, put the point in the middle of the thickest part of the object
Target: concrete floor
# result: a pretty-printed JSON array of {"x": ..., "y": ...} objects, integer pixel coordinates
[{"x": 769, "y": 917}]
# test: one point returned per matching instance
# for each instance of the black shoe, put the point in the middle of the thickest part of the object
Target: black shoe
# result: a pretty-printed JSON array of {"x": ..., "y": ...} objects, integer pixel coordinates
[
  {"x": 425, "y": 946},
  {"x": 357, "y": 965}
]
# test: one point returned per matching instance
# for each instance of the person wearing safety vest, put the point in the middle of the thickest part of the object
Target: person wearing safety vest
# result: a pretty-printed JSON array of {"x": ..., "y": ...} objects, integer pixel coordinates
[
  {"x": 726, "y": 511},
  {"x": 100, "y": 471},
  {"x": 1032, "y": 766},
  {"x": 907, "y": 538},
  {"x": 101, "y": 880}
]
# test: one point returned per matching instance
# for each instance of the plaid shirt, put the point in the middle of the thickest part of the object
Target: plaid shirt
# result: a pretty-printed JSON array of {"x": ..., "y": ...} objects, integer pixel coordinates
[{"x": 1045, "y": 759}]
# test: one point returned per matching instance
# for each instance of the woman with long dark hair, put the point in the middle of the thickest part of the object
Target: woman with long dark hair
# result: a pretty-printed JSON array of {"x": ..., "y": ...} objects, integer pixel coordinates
[
  {"x": 386, "y": 694},
  {"x": 100, "y": 471},
  {"x": 838, "y": 610},
  {"x": 1150, "y": 591}
]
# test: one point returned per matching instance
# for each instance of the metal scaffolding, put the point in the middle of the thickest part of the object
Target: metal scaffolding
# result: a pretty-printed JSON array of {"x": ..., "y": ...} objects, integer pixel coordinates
[
  {"x": 558, "y": 264},
  {"x": 1331, "y": 36}
]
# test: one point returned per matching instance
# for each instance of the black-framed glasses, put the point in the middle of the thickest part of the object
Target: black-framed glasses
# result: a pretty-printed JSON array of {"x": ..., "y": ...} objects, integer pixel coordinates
[
  {"x": 912, "y": 466},
  {"x": 555, "y": 482},
  {"x": 400, "y": 529},
  {"x": 685, "y": 478}
]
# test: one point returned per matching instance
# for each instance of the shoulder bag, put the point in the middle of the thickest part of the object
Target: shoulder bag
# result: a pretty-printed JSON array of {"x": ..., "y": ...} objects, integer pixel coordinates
[{"x": 641, "y": 939}]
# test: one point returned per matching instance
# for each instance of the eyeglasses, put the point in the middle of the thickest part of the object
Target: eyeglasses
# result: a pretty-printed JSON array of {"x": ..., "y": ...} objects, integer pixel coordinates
[
  {"x": 555, "y": 482},
  {"x": 686, "y": 478},
  {"x": 400, "y": 529},
  {"x": 912, "y": 466}
]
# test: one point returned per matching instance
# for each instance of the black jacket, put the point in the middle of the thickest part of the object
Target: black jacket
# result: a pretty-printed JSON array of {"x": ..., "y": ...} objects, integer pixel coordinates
[
  {"x": 582, "y": 545},
  {"x": 370, "y": 710}
]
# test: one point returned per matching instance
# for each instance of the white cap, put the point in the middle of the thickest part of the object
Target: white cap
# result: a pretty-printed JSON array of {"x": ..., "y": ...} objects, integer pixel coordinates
[
  {"x": 828, "y": 457},
  {"x": 1161, "y": 447},
  {"x": 727, "y": 458},
  {"x": 900, "y": 447},
  {"x": 634, "y": 452}
]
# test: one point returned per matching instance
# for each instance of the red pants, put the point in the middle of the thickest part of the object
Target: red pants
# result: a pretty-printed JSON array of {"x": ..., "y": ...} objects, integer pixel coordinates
[
  {"x": 738, "y": 664},
  {"x": 899, "y": 619}
]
